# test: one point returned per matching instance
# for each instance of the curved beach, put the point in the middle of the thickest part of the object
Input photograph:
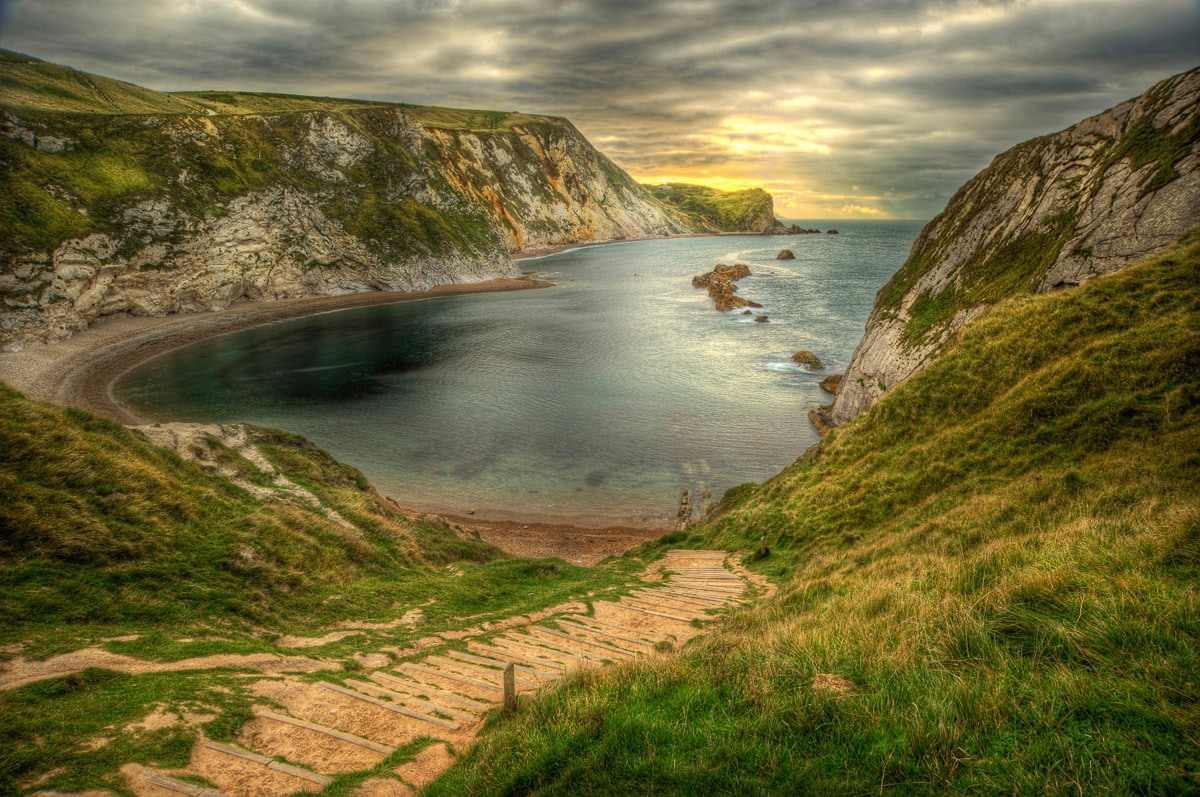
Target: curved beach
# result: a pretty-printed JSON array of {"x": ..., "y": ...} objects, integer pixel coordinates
[{"x": 81, "y": 370}]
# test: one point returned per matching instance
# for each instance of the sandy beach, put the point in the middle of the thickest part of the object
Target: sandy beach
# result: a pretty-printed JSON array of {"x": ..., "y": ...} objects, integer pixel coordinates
[{"x": 81, "y": 370}]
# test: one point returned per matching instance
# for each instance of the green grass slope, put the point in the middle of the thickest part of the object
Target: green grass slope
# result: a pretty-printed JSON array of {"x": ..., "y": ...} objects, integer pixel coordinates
[
  {"x": 996, "y": 569},
  {"x": 103, "y": 534},
  {"x": 109, "y": 542},
  {"x": 714, "y": 210},
  {"x": 31, "y": 84}
]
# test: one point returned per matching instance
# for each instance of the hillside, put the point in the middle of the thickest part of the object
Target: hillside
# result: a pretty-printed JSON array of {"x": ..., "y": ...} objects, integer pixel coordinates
[
  {"x": 987, "y": 586},
  {"x": 713, "y": 210},
  {"x": 143, "y": 584},
  {"x": 1051, "y": 213},
  {"x": 121, "y": 199}
]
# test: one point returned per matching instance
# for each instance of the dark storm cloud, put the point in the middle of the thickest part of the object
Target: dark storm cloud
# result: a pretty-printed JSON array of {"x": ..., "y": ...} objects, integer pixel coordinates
[{"x": 883, "y": 105}]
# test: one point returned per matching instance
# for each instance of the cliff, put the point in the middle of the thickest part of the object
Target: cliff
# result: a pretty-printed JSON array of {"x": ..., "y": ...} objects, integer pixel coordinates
[
  {"x": 1048, "y": 214},
  {"x": 713, "y": 210},
  {"x": 124, "y": 200}
]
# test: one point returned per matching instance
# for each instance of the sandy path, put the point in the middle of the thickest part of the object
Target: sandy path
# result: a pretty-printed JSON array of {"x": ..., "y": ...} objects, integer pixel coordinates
[
  {"x": 80, "y": 371},
  {"x": 21, "y": 671}
]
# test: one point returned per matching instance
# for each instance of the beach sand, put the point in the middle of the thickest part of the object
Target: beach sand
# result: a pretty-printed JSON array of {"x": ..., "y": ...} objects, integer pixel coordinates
[{"x": 81, "y": 371}]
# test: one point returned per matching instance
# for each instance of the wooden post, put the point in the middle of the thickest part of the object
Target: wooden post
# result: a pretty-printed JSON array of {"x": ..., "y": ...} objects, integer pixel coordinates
[
  {"x": 510, "y": 689},
  {"x": 762, "y": 546}
]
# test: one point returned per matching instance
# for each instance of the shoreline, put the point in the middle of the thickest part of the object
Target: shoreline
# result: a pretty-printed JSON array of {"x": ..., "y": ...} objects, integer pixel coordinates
[{"x": 81, "y": 370}]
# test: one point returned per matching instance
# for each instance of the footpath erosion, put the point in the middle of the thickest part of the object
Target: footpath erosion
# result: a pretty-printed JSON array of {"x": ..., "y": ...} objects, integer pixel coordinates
[{"x": 395, "y": 728}]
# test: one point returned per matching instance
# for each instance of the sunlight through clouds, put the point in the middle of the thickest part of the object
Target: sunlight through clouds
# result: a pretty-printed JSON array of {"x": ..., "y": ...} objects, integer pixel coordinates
[{"x": 801, "y": 97}]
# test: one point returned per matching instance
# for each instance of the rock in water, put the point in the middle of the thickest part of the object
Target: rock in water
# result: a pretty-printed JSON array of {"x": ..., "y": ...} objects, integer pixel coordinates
[
  {"x": 786, "y": 254},
  {"x": 806, "y": 359},
  {"x": 830, "y": 383},
  {"x": 831, "y": 232},
  {"x": 720, "y": 286},
  {"x": 760, "y": 319}
]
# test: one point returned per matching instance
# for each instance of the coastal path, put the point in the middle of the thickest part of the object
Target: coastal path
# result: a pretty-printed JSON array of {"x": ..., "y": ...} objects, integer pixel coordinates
[{"x": 308, "y": 732}]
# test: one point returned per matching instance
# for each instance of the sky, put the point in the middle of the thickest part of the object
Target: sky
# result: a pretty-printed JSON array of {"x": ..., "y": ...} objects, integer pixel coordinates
[{"x": 839, "y": 108}]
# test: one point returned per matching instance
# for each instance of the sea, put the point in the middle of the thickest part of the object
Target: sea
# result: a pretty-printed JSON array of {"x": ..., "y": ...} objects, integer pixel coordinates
[{"x": 593, "y": 402}]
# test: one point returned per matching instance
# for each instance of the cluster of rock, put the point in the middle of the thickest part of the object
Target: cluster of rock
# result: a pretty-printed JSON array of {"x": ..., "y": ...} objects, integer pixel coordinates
[
  {"x": 796, "y": 229},
  {"x": 719, "y": 283}
]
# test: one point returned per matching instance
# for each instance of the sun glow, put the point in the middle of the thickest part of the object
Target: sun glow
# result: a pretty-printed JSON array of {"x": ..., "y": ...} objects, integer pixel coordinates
[{"x": 743, "y": 135}]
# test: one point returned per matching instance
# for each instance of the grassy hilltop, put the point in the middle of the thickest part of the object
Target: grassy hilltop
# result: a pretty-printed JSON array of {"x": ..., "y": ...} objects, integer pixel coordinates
[
  {"x": 714, "y": 210},
  {"x": 988, "y": 585}
]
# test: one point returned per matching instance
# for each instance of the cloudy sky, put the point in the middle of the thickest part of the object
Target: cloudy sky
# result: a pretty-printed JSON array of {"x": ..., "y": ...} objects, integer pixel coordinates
[{"x": 840, "y": 108}]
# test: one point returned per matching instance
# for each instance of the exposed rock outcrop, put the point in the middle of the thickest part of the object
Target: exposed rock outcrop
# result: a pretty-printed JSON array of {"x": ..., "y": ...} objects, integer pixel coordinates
[
  {"x": 806, "y": 359},
  {"x": 830, "y": 383},
  {"x": 1048, "y": 214},
  {"x": 786, "y": 254},
  {"x": 193, "y": 209},
  {"x": 719, "y": 283}
]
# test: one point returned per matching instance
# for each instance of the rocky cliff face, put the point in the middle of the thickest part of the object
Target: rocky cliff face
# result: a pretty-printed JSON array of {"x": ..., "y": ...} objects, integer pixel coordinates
[
  {"x": 1046, "y": 215},
  {"x": 224, "y": 197}
]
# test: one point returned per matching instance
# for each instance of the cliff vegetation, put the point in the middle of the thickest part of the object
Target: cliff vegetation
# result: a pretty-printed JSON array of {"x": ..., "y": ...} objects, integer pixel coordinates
[
  {"x": 713, "y": 210},
  {"x": 121, "y": 199},
  {"x": 987, "y": 584},
  {"x": 1048, "y": 214}
]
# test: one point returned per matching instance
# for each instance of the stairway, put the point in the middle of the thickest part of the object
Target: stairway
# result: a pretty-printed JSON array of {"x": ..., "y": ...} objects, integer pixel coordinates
[{"x": 330, "y": 728}]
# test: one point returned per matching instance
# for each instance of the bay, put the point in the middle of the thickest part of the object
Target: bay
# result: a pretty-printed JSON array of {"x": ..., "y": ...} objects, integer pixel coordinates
[{"x": 596, "y": 401}]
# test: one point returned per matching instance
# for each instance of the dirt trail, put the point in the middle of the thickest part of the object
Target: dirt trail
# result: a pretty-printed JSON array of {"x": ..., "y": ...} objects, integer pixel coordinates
[
  {"x": 20, "y": 671},
  {"x": 439, "y": 701}
]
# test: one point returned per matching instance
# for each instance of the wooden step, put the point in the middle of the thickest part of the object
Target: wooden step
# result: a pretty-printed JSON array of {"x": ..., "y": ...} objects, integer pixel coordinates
[
  {"x": 483, "y": 673},
  {"x": 653, "y": 596},
  {"x": 583, "y": 618},
  {"x": 415, "y": 703},
  {"x": 450, "y": 676},
  {"x": 335, "y": 733},
  {"x": 492, "y": 650},
  {"x": 606, "y": 634},
  {"x": 705, "y": 592},
  {"x": 651, "y": 606},
  {"x": 687, "y": 620},
  {"x": 545, "y": 674},
  {"x": 549, "y": 641},
  {"x": 716, "y": 599},
  {"x": 388, "y": 679},
  {"x": 509, "y": 640},
  {"x": 269, "y": 763},
  {"x": 178, "y": 786},
  {"x": 408, "y": 712},
  {"x": 709, "y": 600},
  {"x": 578, "y": 640},
  {"x": 700, "y": 583}
]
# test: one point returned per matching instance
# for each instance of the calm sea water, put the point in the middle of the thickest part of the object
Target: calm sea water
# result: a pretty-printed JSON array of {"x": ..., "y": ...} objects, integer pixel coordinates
[{"x": 600, "y": 399}]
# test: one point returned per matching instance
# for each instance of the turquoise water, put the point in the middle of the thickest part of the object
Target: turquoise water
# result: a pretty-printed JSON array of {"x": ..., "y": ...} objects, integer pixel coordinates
[{"x": 600, "y": 399}]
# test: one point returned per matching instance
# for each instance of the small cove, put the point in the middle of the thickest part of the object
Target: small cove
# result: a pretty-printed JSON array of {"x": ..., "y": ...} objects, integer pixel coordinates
[{"x": 596, "y": 401}]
